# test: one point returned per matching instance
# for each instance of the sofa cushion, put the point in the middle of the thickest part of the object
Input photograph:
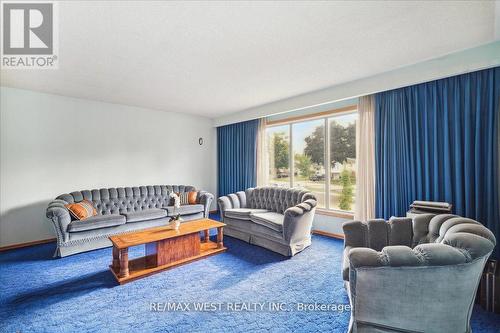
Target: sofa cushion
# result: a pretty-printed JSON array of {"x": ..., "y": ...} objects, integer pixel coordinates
[
  {"x": 96, "y": 222},
  {"x": 250, "y": 228},
  {"x": 242, "y": 213},
  {"x": 271, "y": 220},
  {"x": 144, "y": 215},
  {"x": 184, "y": 210}
]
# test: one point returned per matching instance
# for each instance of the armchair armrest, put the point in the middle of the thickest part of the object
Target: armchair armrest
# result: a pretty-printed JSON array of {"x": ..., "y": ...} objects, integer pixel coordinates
[
  {"x": 431, "y": 254},
  {"x": 59, "y": 214},
  {"x": 205, "y": 198},
  {"x": 298, "y": 219},
  {"x": 364, "y": 257}
]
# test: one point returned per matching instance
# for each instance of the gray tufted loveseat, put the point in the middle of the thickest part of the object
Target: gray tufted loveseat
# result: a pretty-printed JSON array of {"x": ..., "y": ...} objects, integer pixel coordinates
[
  {"x": 279, "y": 219},
  {"x": 118, "y": 210},
  {"x": 417, "y": 275}
]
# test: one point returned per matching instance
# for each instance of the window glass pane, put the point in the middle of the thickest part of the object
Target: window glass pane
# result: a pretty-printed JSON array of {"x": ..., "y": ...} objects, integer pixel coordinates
[
  {"x": 278, "y": 141},
  {"x": 343, "y": 161},
  {"x": 309, "y": 156}
]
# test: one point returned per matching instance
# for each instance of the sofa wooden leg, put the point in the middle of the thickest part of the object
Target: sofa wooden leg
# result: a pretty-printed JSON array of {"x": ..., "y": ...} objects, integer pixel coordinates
[
  {"x": 220, "y": 237},
  {"x": 124, "y": 263},
  {"x": 116, "y": 259}
]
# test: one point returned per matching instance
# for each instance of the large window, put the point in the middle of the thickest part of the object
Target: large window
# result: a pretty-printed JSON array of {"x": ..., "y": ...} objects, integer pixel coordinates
[
  {"x": 343, "y": 161},
  {"x": 309, "y": 156},
  {"x": 299, "y": 156},
  {"x": 278, "y": 143}
]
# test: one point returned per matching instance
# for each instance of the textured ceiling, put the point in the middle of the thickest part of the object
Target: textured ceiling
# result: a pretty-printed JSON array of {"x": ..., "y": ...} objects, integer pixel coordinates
[{"x": 215, "y": 58}]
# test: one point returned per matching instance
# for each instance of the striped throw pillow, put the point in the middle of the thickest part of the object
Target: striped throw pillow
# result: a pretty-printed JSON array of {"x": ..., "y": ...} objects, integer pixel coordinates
[
  {"x": 184, "y": 197},
  {"x": 82, "y": 210}
]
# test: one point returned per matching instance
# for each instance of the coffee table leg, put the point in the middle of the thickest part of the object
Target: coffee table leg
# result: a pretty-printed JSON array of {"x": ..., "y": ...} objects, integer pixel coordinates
[
  {"x": 206, "y": 236},
  {"x": 219, "y": 238},
  {"x": 116, "y": 259},
  {"x": 124, "y": 262}
]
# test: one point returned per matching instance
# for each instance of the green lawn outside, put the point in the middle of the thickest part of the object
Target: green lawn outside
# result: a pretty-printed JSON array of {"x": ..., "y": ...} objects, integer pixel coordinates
[{"x": 318, "y": 189}]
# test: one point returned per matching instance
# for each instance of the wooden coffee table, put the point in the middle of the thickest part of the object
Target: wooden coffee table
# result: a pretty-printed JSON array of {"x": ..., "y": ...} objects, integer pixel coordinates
[{"x": 165, "y": 248}]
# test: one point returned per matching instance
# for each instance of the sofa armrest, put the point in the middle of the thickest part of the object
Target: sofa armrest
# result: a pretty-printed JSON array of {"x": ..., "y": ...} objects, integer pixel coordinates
[
  {"x": 224, "y": 203},
  {"x": 59, "y": 214},
  {"x": 233, "y": 200},
  {"x": 205, "y": 198},
  {"x": 297, "y": 223}
]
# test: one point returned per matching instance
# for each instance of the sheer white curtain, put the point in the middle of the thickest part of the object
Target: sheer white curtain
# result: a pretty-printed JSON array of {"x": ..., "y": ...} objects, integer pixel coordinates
[
  {"x": 365, "y": 153},
  {"x": 262, "y": 160}
]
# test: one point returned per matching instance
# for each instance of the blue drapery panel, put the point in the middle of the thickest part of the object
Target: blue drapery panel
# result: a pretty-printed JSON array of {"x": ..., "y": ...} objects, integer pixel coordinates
[
  {"x": 439, "y": 141},
  {"x": 236, "y": 156}
]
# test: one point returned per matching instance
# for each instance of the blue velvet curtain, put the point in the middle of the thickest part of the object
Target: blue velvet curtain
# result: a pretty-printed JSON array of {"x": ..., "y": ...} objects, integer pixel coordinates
[
  {"x": 236, "y": 156},
  {"x": 439, "y": 141}
]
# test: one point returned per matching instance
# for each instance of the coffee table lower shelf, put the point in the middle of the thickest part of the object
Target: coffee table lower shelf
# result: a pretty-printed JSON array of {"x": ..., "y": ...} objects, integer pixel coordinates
[{"x": 144, "y": 266}]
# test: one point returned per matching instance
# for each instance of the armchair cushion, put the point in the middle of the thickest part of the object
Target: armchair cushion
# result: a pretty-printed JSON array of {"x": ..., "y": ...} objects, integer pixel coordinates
[
  {"x": 96, "y": 222},
  {"x": 242, "y": 213},
  {"x": 144, "y": 215},
  {"x": 271, "y": 220}
]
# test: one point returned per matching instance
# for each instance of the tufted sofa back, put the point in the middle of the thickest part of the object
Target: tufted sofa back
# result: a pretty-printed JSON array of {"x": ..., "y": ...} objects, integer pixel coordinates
[
  {"x": 126, "y": 199},
  {"x": 276, "y": 199}
]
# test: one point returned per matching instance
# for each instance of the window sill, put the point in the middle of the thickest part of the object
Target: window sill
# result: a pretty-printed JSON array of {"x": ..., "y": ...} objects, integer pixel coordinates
[
  {"x": 335, "y": 213},
  {"x": 328, "y": 234}
]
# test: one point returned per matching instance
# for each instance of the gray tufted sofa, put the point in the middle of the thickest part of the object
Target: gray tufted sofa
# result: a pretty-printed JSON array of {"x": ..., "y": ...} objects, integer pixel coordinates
[
  {"x": 417, "y": 275},
  {"x": 279, "y": 219},
  {"x": 119, "y": 210}
]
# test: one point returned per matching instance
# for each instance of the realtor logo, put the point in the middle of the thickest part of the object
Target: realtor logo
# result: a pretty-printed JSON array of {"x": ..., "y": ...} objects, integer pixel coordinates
[{"x": 29, "y": 35}]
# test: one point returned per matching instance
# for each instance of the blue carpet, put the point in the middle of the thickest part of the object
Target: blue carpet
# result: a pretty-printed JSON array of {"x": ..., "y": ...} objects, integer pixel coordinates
[{"x": 78, "y": 293}]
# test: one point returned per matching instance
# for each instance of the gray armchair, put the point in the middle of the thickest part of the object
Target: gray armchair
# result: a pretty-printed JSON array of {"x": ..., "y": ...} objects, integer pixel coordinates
[
  {"x": 417, "y": 275},
  {"x": 279, "y": 219}
]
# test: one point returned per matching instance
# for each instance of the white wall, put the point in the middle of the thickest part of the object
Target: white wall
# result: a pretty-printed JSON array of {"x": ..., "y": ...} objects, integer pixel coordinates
[
  {"x": 52, "y": 144},
  {"x": 329, "y": 224}
]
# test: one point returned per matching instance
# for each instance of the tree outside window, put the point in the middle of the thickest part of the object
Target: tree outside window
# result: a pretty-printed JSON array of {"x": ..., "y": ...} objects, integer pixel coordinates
[{"x": 308, "y": 149}]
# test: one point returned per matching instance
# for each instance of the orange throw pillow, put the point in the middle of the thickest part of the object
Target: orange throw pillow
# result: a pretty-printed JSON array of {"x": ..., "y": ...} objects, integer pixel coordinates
[
  {"x": 82, "y": 210},
  {"x": 192, "y": 197}
]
